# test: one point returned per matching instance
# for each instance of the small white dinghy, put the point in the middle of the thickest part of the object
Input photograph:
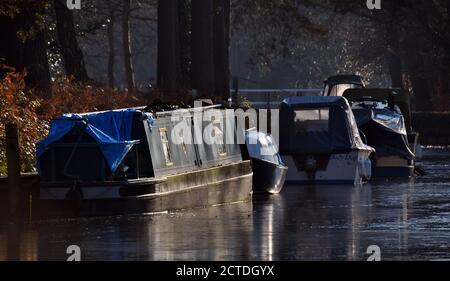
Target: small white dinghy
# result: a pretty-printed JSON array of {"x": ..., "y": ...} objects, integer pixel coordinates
[
  {"x": 269, "y": 171},
  {"x": 320, "y": 142}
]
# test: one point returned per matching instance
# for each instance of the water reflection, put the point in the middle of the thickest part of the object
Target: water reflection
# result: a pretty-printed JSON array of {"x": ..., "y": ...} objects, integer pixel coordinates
[
  {"x": 216, "y": 233},
  {"x": 310, "y": 222},
  {"x": 406, "y": 219},
  {"x": 18, "y": 244}
]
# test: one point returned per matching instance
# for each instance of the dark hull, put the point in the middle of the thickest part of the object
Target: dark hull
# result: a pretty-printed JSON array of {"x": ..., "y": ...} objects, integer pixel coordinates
[
  {"x": 393, "y": 172},
  {"x": 392, "y": 167},
  {"x": 268, "y": 177},
  {"x": 320, "y": 182},
  {"x": 209, "y": 187},
  {"x": 232, "y": 191}
]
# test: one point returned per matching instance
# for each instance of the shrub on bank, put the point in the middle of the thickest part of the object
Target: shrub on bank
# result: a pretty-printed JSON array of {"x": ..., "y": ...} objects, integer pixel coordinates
[
  {"x": 18, "y": 105},
  {"x": 31, "y": 111}
]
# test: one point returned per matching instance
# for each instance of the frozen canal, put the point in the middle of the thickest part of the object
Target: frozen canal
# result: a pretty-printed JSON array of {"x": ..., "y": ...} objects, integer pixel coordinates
[{"x": 406, "y": 220}]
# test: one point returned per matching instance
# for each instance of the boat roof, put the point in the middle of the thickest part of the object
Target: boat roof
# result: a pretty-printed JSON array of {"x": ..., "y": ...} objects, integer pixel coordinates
[
  {"x": 346, "y": 79},
  {"x": 400, "y": 98},
  {"x": 372, "y": 92},
  {"x": 305, "y": 132},
  {"x": 315, "y": 101},
  {"x": 112, "y": 130},
  {"x": 165, "y": 109},
  {"x": 138, "y": 108}
]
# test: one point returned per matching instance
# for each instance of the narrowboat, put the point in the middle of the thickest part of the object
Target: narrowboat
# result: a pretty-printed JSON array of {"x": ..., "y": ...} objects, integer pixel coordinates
[
  {"x": 269, "y": 171},
  {"x": 320, "y": 142},
  {"x": 136, "y": 160},
  {"x": 379, "y": 117}
]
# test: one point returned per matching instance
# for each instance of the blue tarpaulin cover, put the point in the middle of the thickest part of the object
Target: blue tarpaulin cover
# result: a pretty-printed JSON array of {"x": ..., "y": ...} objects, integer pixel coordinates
[{"x": 110, "y": 129}]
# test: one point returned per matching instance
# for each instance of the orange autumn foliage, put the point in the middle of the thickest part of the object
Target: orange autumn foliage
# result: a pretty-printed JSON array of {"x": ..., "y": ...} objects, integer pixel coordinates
[
  {"x": 17, "y": 105},
  {"x": 32, "y": 113},
  {"x": 71, "y": 96}
]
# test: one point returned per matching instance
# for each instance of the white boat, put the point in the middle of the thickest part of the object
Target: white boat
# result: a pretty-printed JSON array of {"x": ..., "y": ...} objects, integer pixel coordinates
[
  {"x": 320, "y": 142},
  {"x": 383, "y": 116},
  {"x": 269, "y": 171}
]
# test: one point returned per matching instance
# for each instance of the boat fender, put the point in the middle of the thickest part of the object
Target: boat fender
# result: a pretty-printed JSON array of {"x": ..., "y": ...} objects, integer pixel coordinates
[
  {"x": 311, "y": 167},
  {"x": 365, "y": 167}
]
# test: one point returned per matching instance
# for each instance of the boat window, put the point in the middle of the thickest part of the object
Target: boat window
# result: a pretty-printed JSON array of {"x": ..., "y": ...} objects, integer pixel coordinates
[
  {"x": 220, "y": 138},
  {"x": 312, "y": 120},
  {"x": 165, "y": 144},
  {"x": 339, "y": 89}
]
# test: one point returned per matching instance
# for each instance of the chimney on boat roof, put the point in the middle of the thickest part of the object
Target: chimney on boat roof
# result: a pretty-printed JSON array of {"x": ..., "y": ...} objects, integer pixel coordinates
[{"x": 203, "y": 102}]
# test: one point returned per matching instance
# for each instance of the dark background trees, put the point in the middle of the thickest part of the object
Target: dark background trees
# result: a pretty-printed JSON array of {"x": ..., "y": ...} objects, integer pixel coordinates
[
  {"x": 126, "y": 39},
  {"x": 221, "y": 45},
  {"x": 23, "y": 44},
  {"x": 70, "y": 50},
  {"x": 202, "y": 46},
  {"x": 193, "y": 41},
  {"x": 177, "y": 46},
  {"x": 172, "y": 27},
  {"x": 413, "y": 38},
  {"x": 111, "y": 43}
]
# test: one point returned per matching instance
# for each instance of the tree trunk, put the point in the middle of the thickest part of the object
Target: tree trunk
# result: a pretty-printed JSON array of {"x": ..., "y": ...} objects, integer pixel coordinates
[
  {"x": 30, "y": 53},
  {"x": 221, "y": 48},
  {"x": 173, "y": 45},
  {"x": 111, "y": 44},
  {"x": 202, "y": 48},
  {"x": 70, "y": 50},
  {"x": 416, "y": 69},
  {"x": 168, "y": 45},
  {"x": 184, "y": 21},
  {"x": 447, "y": 57},
  {"x": 394, "y": 56},
  {"x": 127, "y": 45}
]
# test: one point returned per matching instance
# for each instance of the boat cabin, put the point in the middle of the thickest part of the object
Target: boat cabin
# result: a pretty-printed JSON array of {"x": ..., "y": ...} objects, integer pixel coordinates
[
  {"x": 336, "y": 85},
  {"x": 132, "y": 144},
  {"x": 315, "y": 125},
  {"x": 320, "y": 142},
  {"x": 390, "y": 97}
]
